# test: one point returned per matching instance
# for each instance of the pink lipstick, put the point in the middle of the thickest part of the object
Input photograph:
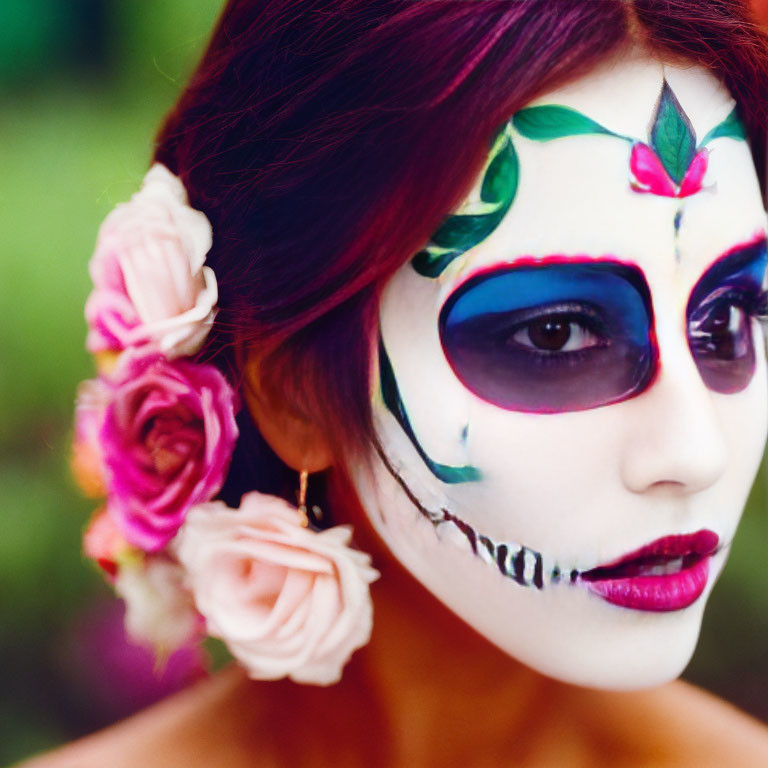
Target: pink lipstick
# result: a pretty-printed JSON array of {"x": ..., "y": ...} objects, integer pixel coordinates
[{"x": 666, "y": 575}]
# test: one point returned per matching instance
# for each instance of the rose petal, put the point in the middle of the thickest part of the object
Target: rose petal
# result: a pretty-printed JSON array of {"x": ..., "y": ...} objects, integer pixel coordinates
[
  {"x": 648, "y": 172},
  {"x": 694, "y": 176},
  {"x": 305, "y": 625}
]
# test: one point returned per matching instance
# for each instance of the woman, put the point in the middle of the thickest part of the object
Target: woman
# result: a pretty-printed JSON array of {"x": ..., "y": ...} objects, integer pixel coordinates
[{"x": 546, "y": 408}]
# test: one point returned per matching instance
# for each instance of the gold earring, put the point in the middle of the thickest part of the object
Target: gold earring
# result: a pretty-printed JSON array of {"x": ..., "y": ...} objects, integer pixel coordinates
[
  {"x": 303, "y": 477},
  {"x": 317, "y": 513}
]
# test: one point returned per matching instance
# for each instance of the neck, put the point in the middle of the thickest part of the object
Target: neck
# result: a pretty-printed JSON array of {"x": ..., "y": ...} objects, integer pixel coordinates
[{"x": 427, "y": 665}]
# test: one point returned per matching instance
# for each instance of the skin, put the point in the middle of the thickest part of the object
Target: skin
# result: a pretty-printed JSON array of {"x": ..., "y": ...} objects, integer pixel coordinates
[{"x": 452, "y": 674}]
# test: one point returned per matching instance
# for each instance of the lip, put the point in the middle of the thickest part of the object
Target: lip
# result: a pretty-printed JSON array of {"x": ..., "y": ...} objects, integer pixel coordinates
[{"x": 668, "y": 574}]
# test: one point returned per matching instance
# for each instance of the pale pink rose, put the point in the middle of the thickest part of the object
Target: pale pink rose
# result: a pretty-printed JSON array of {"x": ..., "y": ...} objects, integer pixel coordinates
[
  {"x": 167, "y": 440},
  {"x": 86, "y": 462},
  {"x": 286, "y": 600},
  {"x": 159, "y": 611},
  {"x": 104, "y": 543},
  {"x": 150, "y": 284}
]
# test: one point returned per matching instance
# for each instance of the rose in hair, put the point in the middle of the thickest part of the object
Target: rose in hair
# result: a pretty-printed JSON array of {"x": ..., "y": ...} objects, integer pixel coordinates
[
  {"x": 286, "y": 600},
  {"x": 167, "y": 439},
  {"x": 159, "y": 611},
  {"x": 150, "y": 284}
]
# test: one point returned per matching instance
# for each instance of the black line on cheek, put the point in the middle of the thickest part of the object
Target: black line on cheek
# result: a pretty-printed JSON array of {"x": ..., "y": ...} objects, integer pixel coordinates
[
  {"x": 519, "y": 565},
  {"x": 499, "y": 554},
  {"x": 465, "y": 528},
  {"x": 501, "y": 558},
  {"x": 488, "y": 544}
]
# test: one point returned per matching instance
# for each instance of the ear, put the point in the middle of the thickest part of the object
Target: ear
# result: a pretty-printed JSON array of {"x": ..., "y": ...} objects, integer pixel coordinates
[{"x": 298, "y": 441}]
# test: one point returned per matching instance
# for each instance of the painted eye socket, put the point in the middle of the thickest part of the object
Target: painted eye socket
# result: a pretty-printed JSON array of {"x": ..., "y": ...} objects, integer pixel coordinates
[
  {"x": 720, "y": 338},
  {"x": 551, "y": 337},
  {"x": 720, "y": 319}
]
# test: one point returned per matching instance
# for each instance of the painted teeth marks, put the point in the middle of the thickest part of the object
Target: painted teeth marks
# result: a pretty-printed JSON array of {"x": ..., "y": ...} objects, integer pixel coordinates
[
  {"x": 519, "y": 563},
  {"x": 523, "y": 565}
]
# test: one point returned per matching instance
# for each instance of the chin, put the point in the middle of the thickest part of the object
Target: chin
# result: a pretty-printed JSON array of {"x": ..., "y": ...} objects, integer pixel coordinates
[{"x": 578, "y": 640}]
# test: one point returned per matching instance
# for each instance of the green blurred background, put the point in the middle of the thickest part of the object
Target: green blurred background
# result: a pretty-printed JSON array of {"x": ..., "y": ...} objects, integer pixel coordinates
[{"x": 83, "y": 85}]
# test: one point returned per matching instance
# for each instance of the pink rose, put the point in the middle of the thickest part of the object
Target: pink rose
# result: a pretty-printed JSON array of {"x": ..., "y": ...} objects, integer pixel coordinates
[
  {"x": 286, "y": 600},
  {"x": 167, "y": 439},
  {"x": 150, "y": 284}
]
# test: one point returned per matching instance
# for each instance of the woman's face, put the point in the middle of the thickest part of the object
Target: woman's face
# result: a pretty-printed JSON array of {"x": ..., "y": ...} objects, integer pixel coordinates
[{"x": 571, "y": 390}]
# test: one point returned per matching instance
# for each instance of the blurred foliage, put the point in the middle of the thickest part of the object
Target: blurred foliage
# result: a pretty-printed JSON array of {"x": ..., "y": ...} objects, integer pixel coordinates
[{"x": 84, "y": 84}]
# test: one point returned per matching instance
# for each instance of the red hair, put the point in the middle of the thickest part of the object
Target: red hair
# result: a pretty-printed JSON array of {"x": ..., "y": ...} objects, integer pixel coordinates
[{"x": 326, "y": 140}]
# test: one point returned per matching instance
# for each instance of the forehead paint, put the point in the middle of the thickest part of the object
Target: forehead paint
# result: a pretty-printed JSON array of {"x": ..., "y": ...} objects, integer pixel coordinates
[
  {"x": 475, "y": 221},
  {"x": 669, "y": 164},
  {"x": 719, "y": 314},
  {"x": 390, "y": 394},
  {"x": 560, "y": 335}
]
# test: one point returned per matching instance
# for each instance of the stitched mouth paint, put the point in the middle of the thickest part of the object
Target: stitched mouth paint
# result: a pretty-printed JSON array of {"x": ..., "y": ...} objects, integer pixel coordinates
[
  {"x": 523, "y": 565},
  {"x": 668, "y": 574}
]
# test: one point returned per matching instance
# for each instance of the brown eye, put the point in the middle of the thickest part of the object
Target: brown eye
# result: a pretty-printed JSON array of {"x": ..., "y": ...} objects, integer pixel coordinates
[
  {"x": 555, "y": 333},
  {"x": 549, "y": 334}
]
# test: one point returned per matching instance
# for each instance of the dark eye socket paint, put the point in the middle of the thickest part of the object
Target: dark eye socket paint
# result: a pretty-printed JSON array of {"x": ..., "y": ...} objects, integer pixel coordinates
[
  {"x": 554, "y": 336},
  {"x": 719, "y": 317}
]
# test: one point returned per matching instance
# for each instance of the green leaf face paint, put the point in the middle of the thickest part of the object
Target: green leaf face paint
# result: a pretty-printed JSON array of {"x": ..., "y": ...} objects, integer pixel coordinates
[
  {"x": 671, "y": 164},
  {"x": 462, "y": 231},
  {"x": 672, "y": 136},
  {"x": 555, "y": 122},
  {"x": 730, "y": 128}
]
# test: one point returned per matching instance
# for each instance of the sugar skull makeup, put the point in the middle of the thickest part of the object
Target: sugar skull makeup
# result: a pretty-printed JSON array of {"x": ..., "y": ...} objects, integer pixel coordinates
[{"x": 571, "y": 397}]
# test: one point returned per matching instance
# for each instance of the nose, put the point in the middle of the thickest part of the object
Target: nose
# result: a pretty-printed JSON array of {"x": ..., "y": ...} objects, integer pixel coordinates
[{"x": 677, "y": 442}]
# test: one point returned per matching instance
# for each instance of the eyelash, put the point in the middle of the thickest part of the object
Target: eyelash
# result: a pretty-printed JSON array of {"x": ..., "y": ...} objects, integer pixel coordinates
[
  {"x": 581, "y": 314},
  {"x": 754, "y": 304}
]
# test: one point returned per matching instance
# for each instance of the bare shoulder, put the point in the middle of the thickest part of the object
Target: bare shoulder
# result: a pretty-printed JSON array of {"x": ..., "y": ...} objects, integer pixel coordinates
[
  {"x": 675, "y": 725},
  {"x": 194, "y": 727}
]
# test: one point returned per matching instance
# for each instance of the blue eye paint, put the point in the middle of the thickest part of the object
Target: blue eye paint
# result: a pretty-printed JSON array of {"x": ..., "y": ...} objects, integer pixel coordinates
[
  {"x": 394, "y": 403},
  {"x": 565, "y": 334}
]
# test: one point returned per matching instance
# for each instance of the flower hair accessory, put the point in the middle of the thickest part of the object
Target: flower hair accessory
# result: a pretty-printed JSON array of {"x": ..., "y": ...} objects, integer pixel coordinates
[{"x": 154, "y": 437}]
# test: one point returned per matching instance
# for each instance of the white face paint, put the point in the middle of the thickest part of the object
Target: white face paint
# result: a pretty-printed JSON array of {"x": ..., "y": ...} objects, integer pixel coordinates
[{"x": 557, "y": 481}]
